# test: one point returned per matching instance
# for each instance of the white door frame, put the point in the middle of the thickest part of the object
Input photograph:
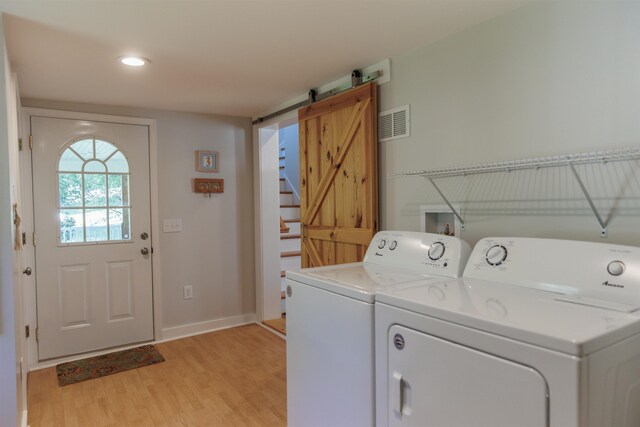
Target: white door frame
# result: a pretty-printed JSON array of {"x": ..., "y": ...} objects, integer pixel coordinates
[
  {"x": 30, "y": 314},
  {"x": 267, "y": 208}
]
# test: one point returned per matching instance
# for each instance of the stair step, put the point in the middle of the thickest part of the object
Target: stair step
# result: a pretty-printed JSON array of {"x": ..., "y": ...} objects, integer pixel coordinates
[
  {"x": 282, "y": 167},
  {"x": 286, "y": 192},
  {"x": 281, "y": 148},
  {"x": 282, "y": 179},
  {"x": 289, "y": 206},
  {"x": 292, "y": 220},
  {"x": 290, "y": 236},
  {"x": 289, "y": 213},
  {"x": 283, "y": 295},
  {"x": 290, "y": 254},
  {"x": 283, "y": 273},
  {"x": 281, "y": 158}
]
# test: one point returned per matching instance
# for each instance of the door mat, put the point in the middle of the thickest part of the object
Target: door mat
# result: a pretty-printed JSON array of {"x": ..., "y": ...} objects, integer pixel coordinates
[{"x": 107, "y": 364}]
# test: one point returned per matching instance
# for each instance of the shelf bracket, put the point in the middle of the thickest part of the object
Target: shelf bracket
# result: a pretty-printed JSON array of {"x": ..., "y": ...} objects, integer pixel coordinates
[
  {"x": 455, "y": 212},
  {"x": 603, "y": 224}
]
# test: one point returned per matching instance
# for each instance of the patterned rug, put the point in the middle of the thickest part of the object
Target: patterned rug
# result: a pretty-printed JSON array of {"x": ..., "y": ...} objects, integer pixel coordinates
[{"x": 107, "y": 364}]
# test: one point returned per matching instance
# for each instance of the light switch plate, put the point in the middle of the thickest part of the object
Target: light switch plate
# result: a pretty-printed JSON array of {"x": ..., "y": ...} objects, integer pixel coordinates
[{"x": 172, "y": 225}]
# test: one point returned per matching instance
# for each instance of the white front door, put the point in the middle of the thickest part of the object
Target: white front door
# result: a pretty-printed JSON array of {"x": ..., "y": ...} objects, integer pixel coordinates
[{"x": 92, "y": 222}]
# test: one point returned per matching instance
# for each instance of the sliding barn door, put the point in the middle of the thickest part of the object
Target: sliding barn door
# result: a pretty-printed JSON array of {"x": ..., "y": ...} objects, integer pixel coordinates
[{"x": 338, "y": 177}]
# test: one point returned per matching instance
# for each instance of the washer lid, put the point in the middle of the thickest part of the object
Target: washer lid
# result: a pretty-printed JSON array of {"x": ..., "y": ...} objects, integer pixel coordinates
[
  {"x": 361, "y": 280},
  {"x": 551, "y": 320}
]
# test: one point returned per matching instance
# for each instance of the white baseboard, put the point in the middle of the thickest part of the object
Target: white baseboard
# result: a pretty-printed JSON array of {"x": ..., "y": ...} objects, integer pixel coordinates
[{"x": 183, "y": 331}]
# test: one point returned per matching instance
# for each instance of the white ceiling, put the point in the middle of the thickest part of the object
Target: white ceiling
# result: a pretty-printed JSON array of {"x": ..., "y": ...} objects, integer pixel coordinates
[{"x": 234, "y": 57}]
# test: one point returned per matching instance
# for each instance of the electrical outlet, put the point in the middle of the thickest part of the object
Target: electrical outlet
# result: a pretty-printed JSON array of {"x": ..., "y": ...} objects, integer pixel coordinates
[{"x": 187, "y": 292}]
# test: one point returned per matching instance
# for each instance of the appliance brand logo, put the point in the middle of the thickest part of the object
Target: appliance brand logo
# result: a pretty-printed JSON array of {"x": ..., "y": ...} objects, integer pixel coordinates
[{"x": 612, "y": 285}]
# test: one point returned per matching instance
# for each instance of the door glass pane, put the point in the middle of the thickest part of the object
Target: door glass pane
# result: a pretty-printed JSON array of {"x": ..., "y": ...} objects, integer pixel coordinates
[
  {"x": 71, "y": 226},
  {"x": 70, "y": 189},
  {"x": 84, "y": 148},
  {"x": 95, "y": 190},
  {"x": 118, "y": 163},
  {"x": 119, "y": 223},
  {"x": 96, "y": 225},
  {"x": 93, "y": 208},
  {"x": 94, "y": 166},
  {"x": 104, "y": 149},
  {"x": 70, "y": 162},
  {"x": 118, "y": 190}
]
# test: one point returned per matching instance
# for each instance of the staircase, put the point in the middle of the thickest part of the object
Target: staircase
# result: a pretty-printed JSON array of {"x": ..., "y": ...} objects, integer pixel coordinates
[{"x": 289, "y": 240}]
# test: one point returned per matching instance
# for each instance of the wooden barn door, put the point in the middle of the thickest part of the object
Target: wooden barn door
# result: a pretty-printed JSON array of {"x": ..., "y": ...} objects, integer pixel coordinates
[{"x": 338, "y": 177}]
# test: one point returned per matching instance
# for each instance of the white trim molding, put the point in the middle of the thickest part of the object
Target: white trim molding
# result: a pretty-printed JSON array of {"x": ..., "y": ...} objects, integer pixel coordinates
[{"x": 184, "y": 331}]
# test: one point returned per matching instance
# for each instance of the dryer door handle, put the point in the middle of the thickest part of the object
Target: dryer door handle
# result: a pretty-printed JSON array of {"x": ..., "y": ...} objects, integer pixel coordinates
[{"x": 397, "y": 393}]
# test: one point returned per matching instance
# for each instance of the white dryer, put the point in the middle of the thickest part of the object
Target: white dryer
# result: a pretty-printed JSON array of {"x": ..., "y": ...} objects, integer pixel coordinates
[
  {"x": 538, "y": 333},
  {"x": 330, "y": 323}
]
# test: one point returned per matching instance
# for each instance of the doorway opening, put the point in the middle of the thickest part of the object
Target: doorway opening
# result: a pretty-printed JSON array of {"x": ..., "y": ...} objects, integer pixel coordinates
[{"x": 277, "y": 216}]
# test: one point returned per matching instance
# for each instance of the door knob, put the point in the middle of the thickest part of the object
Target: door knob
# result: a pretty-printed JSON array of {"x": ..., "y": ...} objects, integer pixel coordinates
[
  {"x": 27, "y": 271},
  {"x": 144, "y": 236},
  {"x": 144, "y": 251}
]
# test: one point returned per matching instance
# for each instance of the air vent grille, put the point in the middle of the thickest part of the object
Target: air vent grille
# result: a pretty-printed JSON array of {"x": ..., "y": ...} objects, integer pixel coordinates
[{"x": 394, "y": 124}]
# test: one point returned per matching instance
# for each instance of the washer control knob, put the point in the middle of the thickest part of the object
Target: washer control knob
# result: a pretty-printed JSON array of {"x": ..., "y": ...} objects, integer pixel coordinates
[
  {"x": 393, "y": 245},
  {"x": 496, "y": 255},
  {"x": 436, "y": 250},
  {"x": 615, "y": 268},
  {"x": 382, "y": 243}
]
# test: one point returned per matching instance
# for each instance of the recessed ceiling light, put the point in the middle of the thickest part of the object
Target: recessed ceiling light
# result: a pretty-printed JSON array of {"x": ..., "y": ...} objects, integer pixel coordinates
[{"x": 133, "y": 61}]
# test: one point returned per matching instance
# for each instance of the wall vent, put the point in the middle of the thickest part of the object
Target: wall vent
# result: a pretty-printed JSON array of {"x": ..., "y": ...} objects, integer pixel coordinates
[{"x": 394, "y": 124}]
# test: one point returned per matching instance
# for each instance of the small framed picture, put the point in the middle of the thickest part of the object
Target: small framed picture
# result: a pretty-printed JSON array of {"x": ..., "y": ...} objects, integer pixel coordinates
[{"x": 206, "y": 161}]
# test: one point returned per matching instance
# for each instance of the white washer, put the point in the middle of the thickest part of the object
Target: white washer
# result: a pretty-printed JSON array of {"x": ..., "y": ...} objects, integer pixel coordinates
[
  {"x": 330, "y": 324},
  {"x": 537, "y": 333}
]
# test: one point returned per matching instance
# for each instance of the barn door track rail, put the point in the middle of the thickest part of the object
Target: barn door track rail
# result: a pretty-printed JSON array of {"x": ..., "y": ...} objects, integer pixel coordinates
[
  {"x": 563, "y": 161},
  {"x": 357, "y": 79}
]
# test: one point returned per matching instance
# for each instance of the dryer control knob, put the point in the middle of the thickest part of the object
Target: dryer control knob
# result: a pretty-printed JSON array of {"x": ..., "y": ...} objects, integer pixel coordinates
[
  {"x": 615, "y": 268},
  {"x": 382, "y": 243},
  {"x": 436, "y": 251},
  {"x": 496, "y": 255},
  {"x": 393, "y": 245}
]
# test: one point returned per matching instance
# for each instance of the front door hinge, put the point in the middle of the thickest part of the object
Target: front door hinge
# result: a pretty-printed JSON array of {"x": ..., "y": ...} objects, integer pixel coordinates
[
  {"x": 31, "y": 142},
  {"x": 19, "y": 144},
  {"x": 27, "y": 333},
  {"x": 37, "y": 335},
  {"x": 34, "y": 238}
]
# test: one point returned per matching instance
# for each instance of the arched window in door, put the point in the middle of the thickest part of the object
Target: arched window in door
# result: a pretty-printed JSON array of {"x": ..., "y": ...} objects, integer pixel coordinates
[{"x": 93, "y": 193}]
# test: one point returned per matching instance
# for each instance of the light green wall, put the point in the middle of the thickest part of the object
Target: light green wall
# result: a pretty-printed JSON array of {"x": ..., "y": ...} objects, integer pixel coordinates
[{"x": 548, "y": 78}]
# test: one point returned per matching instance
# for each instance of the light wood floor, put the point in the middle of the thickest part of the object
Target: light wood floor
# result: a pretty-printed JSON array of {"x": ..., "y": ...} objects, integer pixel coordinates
[
  {"x": 278, "y": 324},
  {"x": 235, "y": 377}
]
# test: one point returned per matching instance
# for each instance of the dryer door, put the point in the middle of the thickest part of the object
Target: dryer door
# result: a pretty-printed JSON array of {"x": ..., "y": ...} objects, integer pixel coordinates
[{"x": 434, "y": 382}]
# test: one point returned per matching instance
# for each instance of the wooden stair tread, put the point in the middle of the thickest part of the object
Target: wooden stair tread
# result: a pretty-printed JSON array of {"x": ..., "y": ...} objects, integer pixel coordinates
[
  {"x": 278, "y": 324},
  {"x": 290, "y": 254},
  {"x": 292, "y": 220},
  {"x": 283, "y": 273},
  {"x": 290, "y": 236},
  {"x": 286, "y": 192},
  {"x": 281, "y": 179},
  {"x": 289, "y": 206}
]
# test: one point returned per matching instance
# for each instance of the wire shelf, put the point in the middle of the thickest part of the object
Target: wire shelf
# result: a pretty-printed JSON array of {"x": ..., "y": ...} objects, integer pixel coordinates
[{"x": 572, "y": 184}]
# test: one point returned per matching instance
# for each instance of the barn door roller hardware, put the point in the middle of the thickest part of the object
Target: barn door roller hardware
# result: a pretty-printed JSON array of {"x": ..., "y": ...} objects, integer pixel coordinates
[{"x": 357, "y": 79}]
